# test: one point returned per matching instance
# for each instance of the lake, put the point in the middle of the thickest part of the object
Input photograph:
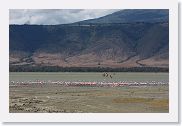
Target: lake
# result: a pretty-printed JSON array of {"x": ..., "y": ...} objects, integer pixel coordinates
[{"x": 88, "y": 76}]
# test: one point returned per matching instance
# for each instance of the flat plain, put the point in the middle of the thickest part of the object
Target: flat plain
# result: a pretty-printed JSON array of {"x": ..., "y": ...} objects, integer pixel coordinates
[{"x": 48, "y": 98}]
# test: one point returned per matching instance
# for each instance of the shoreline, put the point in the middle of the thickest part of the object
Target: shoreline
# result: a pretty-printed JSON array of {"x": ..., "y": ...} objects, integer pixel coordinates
[{"x": 77, "y": 99}]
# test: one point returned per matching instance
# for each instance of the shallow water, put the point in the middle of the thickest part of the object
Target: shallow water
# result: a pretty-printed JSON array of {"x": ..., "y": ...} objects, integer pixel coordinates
[{"x": 88, "y": 76}]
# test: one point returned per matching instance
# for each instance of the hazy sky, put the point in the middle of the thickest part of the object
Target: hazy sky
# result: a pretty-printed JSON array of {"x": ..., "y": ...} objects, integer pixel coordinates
[{"x": 54, "y": 16}]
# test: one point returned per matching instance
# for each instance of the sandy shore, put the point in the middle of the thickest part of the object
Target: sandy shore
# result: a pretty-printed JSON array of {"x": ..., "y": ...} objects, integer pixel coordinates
[{"x": 61, "y": 99}]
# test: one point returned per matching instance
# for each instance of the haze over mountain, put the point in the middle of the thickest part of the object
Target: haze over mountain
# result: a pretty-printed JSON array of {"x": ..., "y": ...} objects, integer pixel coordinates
[{"x": 127, "y": 38}]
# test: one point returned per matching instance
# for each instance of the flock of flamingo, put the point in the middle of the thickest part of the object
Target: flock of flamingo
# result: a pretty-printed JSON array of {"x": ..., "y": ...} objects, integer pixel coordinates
[{"x": 88, "y": 83}]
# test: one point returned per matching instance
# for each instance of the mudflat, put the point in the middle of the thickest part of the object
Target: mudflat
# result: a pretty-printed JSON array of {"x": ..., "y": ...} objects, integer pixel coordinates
[{"x": 88, "y": 99}]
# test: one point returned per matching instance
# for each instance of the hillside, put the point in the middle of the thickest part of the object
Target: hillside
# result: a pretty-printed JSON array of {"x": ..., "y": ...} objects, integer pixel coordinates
[
  {"x": 102, "y": 42},
  {"x": 132, "y": 16}
]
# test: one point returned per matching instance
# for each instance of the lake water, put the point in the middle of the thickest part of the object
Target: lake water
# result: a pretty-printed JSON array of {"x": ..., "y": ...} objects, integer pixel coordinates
[{"x": 88, "y": 76}]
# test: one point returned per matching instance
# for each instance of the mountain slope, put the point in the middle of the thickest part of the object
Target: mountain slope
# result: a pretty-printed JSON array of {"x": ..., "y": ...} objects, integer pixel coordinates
[
  {"x": 129, "y": 44},
  {"x": 133, "y": 15}
]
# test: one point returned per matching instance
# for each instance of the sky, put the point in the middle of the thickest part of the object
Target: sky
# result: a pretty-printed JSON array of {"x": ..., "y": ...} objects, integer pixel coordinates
[{"x": 55, "y": 16}]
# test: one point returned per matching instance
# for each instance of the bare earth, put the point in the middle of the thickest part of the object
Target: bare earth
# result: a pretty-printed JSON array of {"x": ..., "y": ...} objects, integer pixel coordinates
[
  {"x": 61, "y": 99},
  {"x": 85, "y": 60}
]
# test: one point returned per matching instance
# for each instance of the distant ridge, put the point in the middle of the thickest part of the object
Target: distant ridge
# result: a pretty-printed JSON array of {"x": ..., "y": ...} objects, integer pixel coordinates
[
  {"x": 133, "y": 15},
  {"x": 124, "y": 39}
]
